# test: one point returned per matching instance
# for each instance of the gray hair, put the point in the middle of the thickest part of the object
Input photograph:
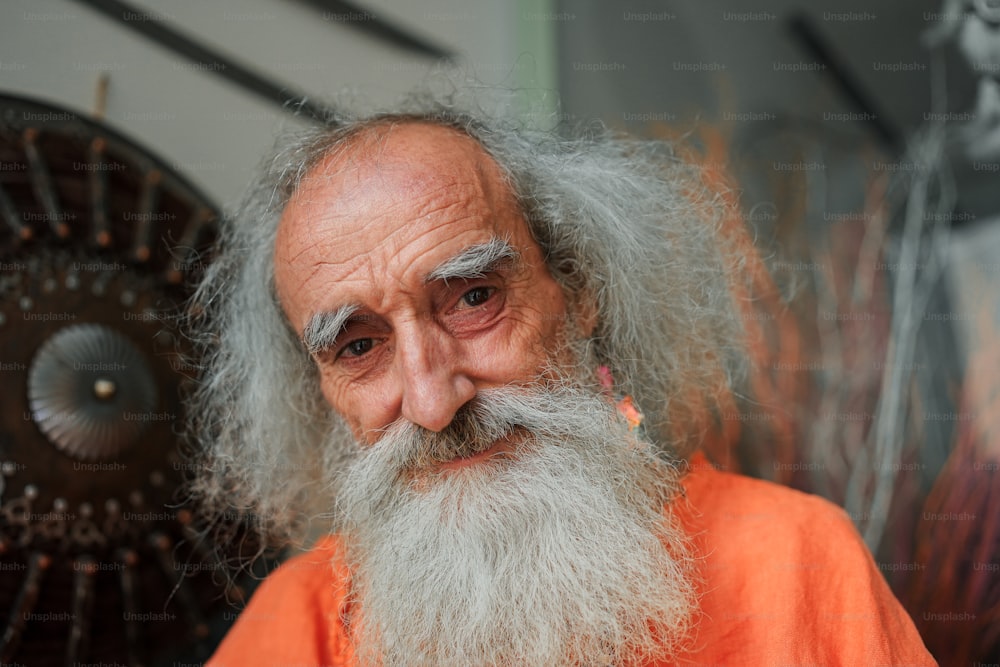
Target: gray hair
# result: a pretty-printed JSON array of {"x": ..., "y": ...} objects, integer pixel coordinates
[{"x": 623, "y": 223}]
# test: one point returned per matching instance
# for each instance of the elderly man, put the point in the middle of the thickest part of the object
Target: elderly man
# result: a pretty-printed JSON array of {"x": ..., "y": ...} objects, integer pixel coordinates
[{"x": 471, "y": 356}]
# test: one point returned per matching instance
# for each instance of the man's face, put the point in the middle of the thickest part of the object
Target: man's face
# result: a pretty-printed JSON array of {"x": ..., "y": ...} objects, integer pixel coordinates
[
  {"x": 408, "y": 269},
  {"x": 411, "y": 276}
]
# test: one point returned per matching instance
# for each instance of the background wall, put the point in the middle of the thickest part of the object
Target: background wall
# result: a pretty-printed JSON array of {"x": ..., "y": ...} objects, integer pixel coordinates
[{"x": 213, "y": 130}]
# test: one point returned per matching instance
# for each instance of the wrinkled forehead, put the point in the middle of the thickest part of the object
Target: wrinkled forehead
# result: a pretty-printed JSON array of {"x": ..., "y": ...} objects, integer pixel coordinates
[
  {"x": 408, "y": 159},
  {"x": 402, "y": 192}
]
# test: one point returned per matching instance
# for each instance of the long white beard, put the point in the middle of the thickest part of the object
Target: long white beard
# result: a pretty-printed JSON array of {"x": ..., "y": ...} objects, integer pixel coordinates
[{"x": 559, "y": 555}]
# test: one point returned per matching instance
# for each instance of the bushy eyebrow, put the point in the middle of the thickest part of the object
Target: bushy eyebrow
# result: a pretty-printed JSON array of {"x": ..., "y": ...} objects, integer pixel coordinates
[
  {"x": 476, "y": 261},
  {"x": 323, "y": 328}
]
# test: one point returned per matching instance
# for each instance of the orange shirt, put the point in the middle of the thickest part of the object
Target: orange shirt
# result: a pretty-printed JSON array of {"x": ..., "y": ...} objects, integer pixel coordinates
[{"x": 787, "y": 580}]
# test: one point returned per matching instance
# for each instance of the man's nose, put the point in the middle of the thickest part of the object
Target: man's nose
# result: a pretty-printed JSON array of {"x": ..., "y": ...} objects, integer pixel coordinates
[{"x": 432, "y": 383}]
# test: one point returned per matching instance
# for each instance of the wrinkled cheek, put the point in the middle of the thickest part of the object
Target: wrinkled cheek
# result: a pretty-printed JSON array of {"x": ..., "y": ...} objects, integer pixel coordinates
[{"x": 353, "y": 417}]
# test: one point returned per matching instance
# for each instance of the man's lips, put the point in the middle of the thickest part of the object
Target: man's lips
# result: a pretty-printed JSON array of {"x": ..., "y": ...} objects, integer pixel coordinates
[{"x": 503, "y": 447}]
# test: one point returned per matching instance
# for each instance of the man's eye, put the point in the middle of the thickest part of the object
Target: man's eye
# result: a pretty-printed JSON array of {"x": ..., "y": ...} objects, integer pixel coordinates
[
  {"x": 478, "y": 296},
  {"x": 358, "y": 347}
]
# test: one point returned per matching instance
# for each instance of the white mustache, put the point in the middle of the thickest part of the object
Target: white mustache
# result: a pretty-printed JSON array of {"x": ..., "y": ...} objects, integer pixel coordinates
[{"x": 553, "y": 412}]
